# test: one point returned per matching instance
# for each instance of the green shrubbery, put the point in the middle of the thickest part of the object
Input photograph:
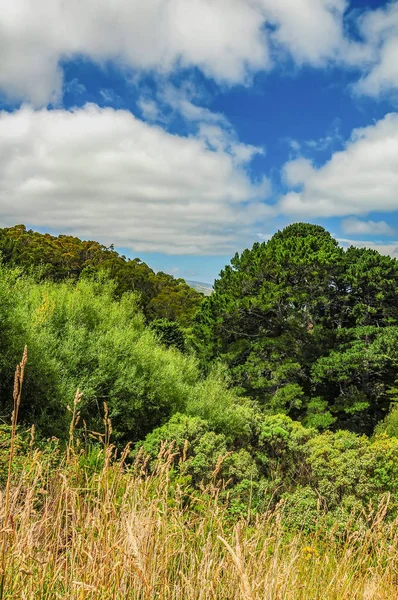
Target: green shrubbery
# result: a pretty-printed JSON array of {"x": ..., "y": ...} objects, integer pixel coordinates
[
  {"x": 335, "y": 475},
  {"x": 316, "y": 360},
  {"x": 80, "y": 336}
]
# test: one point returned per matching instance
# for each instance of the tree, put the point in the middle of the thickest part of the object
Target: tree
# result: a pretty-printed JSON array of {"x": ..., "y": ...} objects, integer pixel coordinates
[
  {"x": 169, "y": 333},
  {"x": 80, "y": 335},
  {"x": 291, "y": 319},
  {"x": 67, "y": 257}
]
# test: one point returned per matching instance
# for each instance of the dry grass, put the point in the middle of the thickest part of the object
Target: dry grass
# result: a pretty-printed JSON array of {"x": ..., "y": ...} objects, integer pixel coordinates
[
  {"x": 75, "y": 532},
  {"x": 122, "y": 534}
]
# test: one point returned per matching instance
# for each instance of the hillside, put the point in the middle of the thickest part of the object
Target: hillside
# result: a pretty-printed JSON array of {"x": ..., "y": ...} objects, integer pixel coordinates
[
  {"x": 67, "y": 257},
  {"x": 204, "y": 288},
  {"x": 228, "y": 437},
  {"x": 259, "y": 439},
  {"x": 86, "y": 527}
]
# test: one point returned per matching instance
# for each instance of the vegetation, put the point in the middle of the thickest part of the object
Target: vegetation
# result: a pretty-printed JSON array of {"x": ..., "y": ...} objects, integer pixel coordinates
[
  {"x": 66, "y": 257},
  {"x": 307, "y": 329},
  {"x": 87, "y": 527},
  {"x": 81, "y": 336},
  {"x": 253, "y": 455}
]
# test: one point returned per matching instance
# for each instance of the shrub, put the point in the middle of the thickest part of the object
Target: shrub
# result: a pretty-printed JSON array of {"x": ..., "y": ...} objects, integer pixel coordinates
[{"x": 80, "y": 336}]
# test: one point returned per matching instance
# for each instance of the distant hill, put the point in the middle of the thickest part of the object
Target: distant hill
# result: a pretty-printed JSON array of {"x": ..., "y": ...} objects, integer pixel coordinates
[
  {"x": 203, "y": 288},
  {"x": 67, "y": 257}
]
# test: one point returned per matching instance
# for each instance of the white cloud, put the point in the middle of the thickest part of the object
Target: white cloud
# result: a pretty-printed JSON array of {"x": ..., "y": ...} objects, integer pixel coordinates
[
  {"x": 311, "y": 31},
  {"x": 75, "y": 87},
  {"x": 330, "y": 140},
  {"x": 224, "y": 38},
  {"x": 379, "y": 29},
  {"x": 296, "y": 171},
  {"x": 293, "y": 144},
  {"x": 110, "y": 97},
  {"x": 354, "y": 226},
  {"x": 383, "y": 76},
  {"x": 387, "y": 249},
  {"x": 104, "y": 174},
  {"x": 228, "y": 40},
  {"x": 149, "y": 109},
  {"x": 356, "y": 181},
  {"x": 183, "y": 100},
  {"x": 169, "y": 101},
  {"x": 211, "y": 127}
]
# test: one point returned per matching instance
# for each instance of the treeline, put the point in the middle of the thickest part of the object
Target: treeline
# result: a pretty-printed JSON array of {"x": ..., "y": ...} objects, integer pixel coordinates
[
  {"x": 161, "y": 296},
  {"x": 296, "y": 359}
]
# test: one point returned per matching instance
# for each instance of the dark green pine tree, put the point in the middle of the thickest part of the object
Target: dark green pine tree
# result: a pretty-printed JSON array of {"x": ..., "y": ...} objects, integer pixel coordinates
[{"x": 306, "y": 328}]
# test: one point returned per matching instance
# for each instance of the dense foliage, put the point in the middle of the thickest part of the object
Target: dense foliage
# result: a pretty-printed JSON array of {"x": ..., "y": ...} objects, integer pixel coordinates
[
  {"x": 299, "y": 345},
  {"x": 307, "y": 329},
  {"x": 67, "y": 257},
  {"x": 81, "y": 336}
]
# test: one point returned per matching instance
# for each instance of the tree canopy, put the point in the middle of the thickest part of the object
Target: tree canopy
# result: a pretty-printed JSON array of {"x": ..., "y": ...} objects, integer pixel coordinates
[
  {"x": 299, "y": 342},
  {"x": 68, "y": 257},
  {"x": 307, "y": 328}
]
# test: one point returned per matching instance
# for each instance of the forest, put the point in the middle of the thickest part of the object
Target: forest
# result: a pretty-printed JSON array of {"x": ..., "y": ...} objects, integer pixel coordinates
[{"x": 264, "y": 414}]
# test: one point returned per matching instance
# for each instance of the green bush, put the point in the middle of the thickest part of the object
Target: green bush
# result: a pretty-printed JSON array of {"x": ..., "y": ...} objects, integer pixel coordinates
[
  {"x": 169, "y": 333},
  {"x": 80, "y": 336},
  {"x": 335, "y": 475},
  {"x": 302, "y": 509},
  {"x": 389, "y": 425}
]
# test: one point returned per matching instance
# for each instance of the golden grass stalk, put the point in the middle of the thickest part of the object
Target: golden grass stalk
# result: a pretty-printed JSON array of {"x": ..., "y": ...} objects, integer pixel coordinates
[
  {"x": 118, "y": 532},
  {"x": 87, "y": 532},
  {"x": 18, "y": 382}
]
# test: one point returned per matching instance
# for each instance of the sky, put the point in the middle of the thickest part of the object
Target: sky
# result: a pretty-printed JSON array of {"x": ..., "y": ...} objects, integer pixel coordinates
[{"x": 183, "y": 131}]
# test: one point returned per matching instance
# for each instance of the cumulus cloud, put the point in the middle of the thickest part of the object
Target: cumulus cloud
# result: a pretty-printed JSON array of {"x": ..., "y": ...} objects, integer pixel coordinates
[
  {"x": 379, "y": 29},
  {"x": 224, "y": 38},
  {"x": 296, "y": 171},
  {"x": 103, "y": 174},
  {"x": 228, "y": 40},
  {"x": 312, "y": 32},
  {"x": 356, "y": 181},
  {"x": 353, "y": 226}
]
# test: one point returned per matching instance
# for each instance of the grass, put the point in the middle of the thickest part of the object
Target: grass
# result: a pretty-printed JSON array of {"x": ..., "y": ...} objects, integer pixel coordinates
[{"x": 81, "y": 524}]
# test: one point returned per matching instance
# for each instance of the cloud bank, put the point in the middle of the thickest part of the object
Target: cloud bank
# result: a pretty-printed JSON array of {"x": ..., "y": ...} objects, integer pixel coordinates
[
  {"x": 104, "y": 174},
  {"x": 228, "y": 40}
]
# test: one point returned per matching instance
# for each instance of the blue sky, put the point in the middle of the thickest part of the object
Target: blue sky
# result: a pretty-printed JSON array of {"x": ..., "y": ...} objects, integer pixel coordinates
[{"x": 186, "y": 130}]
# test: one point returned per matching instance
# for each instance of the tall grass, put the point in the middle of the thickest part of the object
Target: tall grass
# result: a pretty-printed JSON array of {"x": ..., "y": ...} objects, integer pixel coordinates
[
  {"x": 120, "y": 534},
  {"x": 81, "y": 524},
  {"x": 18, "y": 383}
]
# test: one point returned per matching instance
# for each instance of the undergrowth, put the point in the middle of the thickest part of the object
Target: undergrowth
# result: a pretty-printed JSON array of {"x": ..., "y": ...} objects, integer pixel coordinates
[{"x": 82, "y": 523}]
